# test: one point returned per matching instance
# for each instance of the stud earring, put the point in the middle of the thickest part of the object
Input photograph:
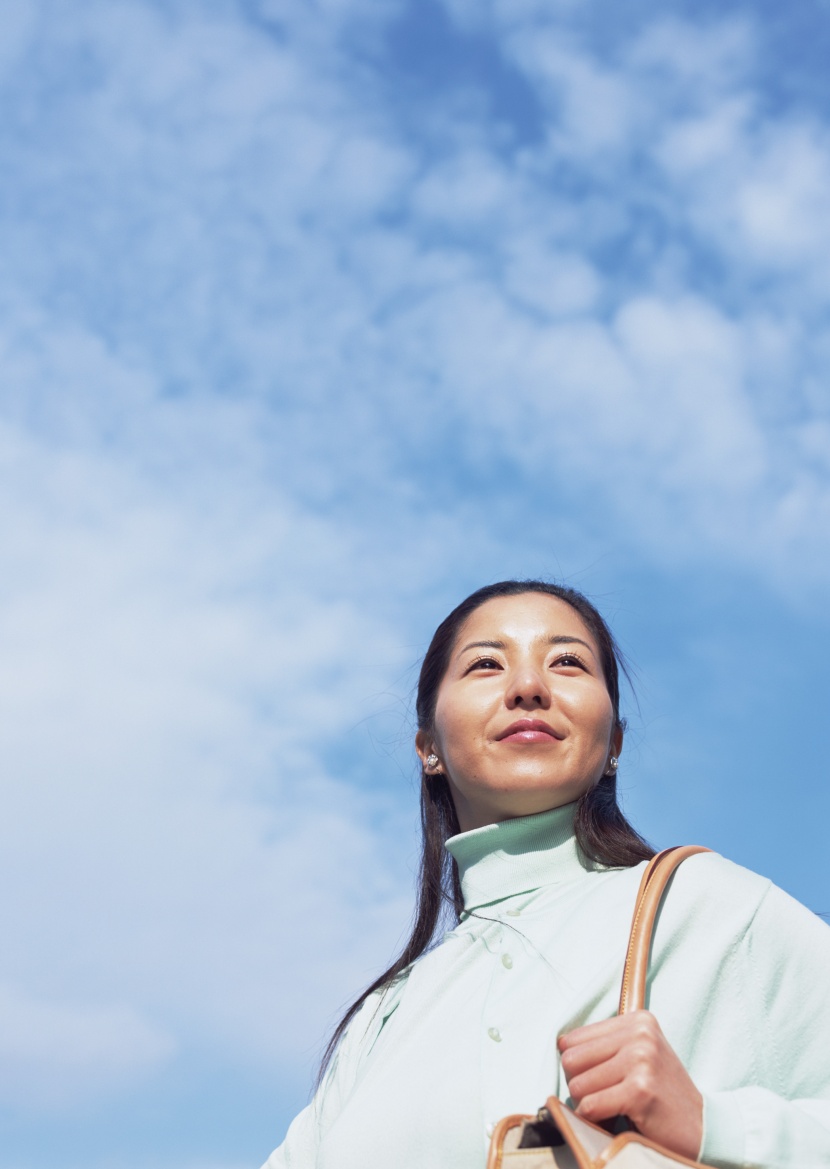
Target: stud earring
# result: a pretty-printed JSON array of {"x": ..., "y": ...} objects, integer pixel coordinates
[
  {"x": 613, "y": 764},
  {"x": 432, "y": 761}
]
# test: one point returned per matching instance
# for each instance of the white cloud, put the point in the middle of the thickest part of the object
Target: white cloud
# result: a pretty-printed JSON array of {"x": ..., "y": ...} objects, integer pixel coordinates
[
  {"x": 782, "y": 206},
  {"x": 328, "y": 315},
  {"x": 701, "y": 61},
  {"x": 556, "y": 283},
  {"x": 56, "y": 1053},
  {"x": 716, "y": 137},
  {"x": 758, "y": 191},
  {"x": 468, "y": 190},
  {"x": 178, "y": 650},
  {"x": 592, "y": 109}
]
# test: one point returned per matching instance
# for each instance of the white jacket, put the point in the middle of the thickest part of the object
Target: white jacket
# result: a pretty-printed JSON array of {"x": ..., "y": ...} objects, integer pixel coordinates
[{"x": 739, "y": 981}]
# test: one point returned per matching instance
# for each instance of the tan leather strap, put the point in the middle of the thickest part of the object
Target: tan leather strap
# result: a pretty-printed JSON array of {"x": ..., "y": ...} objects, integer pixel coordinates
[{"x": 652, "y": 887}]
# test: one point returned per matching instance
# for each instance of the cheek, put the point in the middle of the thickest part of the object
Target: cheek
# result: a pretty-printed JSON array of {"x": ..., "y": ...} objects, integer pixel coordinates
[
  {"x": 456, "y": 724},
  {"x": 448, "y": 728},
  {"x": 595, "y": 715}
]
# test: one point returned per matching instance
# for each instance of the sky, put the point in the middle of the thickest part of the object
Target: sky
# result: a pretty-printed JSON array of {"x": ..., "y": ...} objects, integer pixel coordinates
[{"x": 315, "y": 315}]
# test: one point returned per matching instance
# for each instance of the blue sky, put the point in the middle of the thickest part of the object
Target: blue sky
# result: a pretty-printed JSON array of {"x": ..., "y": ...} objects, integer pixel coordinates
[{"x": 317, "y": 315}]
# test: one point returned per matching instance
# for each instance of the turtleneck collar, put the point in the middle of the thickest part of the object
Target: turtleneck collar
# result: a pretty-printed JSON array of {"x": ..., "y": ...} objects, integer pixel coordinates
[{"x": 517, "y": 856}]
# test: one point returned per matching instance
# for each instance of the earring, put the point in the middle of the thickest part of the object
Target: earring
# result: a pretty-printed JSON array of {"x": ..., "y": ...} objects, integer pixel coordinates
[
  {"x": 432, "y": 761},
  {"x": 613, "y": 764}
]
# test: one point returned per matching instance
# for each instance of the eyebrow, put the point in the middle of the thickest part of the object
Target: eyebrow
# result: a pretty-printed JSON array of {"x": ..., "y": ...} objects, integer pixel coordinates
[{"x": 559, "y": 639}]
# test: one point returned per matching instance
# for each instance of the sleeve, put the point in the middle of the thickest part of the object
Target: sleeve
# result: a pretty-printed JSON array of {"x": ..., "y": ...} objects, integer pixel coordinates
[
  {"x": 300, "y": 1148},
  {"x": 782, "y": 1121}
]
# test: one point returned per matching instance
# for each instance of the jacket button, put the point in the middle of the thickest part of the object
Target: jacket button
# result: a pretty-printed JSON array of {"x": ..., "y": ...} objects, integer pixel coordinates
[
  {"x": 507, "y": 961},
  {"x": 494, "y": 1034}
]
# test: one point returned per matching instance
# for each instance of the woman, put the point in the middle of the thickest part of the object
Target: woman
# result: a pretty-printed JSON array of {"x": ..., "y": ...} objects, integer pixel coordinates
[{"x": 519, "y": 739}]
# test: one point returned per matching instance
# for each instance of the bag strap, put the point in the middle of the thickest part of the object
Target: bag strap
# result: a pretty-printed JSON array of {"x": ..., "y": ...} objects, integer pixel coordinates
[{"x": 656, "y": 877}]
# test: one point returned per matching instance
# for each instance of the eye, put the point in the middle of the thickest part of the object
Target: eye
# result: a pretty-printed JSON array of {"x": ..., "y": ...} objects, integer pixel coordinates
[
  {"x": 569, "y": 659},
  {"x": 483, "y": 664}
]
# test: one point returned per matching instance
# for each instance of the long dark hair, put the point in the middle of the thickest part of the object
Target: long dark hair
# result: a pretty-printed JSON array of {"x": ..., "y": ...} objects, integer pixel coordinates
[{"x": 602, "y": 831}]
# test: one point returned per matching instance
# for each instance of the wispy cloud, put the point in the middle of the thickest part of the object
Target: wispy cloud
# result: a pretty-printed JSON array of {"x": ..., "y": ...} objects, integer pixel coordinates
[{"x": 52, "y": 1053}]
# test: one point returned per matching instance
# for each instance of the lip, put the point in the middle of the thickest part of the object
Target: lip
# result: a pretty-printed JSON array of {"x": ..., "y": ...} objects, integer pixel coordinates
[{"x": 528, "y": 730}]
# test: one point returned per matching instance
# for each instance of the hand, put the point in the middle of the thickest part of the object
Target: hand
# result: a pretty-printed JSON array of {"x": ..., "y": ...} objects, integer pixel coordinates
[{"x": 625, "y": 1067}]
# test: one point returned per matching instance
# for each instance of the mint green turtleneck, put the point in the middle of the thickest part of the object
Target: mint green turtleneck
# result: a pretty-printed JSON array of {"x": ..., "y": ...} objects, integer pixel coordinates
[
  {"x": 516, "y": 856},
  {"x": 740, "y": 983}
]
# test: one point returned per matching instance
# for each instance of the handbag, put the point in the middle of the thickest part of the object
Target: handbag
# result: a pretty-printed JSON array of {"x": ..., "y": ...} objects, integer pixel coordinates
[{"x": 556, "y": 1138}]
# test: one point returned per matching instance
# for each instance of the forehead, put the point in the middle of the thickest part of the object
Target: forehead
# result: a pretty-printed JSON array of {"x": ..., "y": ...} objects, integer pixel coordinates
[{"x": 522, "y": 619}]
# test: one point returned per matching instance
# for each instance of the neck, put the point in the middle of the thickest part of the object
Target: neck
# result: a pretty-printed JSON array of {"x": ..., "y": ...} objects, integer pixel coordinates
[{"x": 516, "y": 806}]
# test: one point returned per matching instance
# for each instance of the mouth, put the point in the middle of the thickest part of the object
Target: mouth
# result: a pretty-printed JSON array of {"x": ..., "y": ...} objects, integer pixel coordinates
[{"x": 528, "y": 730}]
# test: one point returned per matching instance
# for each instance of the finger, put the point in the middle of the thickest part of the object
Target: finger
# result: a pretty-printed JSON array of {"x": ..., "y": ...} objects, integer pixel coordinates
[
  {"x": 634, "y": 1021},
  {"x": 602, "y": 1105},
  {"x": 622, "y": 1029},
  {"x": 599, "y": 1078},
  {"x": 590, "y": 1053},
  {"x": 589, "y": 1031},
  {"x": 601, "y": 1041}
]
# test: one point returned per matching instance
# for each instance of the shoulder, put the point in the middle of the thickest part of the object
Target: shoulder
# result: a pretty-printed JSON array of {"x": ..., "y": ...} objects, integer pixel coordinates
[
  {"x": 713, "y": 898},
  {"x": 364, "y": 1029},
  {"x": 708, "y": 876}
]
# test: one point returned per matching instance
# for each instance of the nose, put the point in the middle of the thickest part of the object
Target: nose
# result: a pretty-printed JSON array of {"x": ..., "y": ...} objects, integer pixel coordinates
[{"x": 527, "y": 689}]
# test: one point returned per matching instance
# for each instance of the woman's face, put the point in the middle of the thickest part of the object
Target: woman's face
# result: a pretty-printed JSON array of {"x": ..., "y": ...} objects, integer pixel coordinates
[{"x": 524, "y": 721}]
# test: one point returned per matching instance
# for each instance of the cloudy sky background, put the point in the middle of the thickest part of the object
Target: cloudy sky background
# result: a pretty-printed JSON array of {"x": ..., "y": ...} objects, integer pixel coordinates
[{"x": 314, "y": 316}]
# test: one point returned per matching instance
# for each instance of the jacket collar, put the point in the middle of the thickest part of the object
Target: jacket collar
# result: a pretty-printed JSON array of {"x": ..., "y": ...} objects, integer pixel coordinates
[{"x": 517, "y": 856}]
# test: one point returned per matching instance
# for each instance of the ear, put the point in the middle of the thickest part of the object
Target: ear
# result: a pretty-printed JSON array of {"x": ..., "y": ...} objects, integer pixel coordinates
[
  {"x": 424, "y": 747},
  {"x": 617, "y": 740}
]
